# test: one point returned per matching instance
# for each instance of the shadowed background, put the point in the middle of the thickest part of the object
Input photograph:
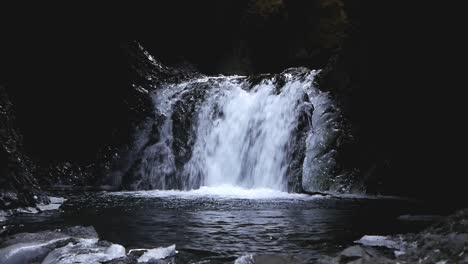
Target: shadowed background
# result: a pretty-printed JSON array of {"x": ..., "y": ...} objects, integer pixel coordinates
[{"x": 68, "y": 80}]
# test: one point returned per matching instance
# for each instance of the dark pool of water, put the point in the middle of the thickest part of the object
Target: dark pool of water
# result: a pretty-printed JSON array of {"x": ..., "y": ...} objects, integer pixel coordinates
[{"x": 220, "y": 230}]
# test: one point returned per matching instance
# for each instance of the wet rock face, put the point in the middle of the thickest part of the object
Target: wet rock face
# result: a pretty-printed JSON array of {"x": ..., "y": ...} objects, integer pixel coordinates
[
  {"x": 149, "y": 72},
  {"x": 182, "y": 124},
  {"x": 298, "y": 153},
  {"x": 184, "y": 121},
  {"x": 149, "y": 76},
  {"x": 17, "y": 184}
]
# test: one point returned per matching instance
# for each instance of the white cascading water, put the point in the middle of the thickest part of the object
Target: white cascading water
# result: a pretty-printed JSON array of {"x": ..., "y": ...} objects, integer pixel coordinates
[
  {"x": 246, "y": 145},
  {"x": 243, "y": 135}
]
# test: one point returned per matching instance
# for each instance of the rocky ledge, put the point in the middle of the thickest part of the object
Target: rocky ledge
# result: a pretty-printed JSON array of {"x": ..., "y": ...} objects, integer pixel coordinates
[
  {"x": 75, "y": 245},
  {"x": 443, "y": 243}
]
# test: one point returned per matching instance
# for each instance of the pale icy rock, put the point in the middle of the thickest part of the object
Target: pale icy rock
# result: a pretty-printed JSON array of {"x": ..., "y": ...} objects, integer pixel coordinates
[
  {"x": 158, "y": 253},
  {"x": 28, "y": 252},
  {"x": 246, "y": 259},
  {"x": 85, "y": 251},
  {"x": 32, "y": 247},
  {"x": 3, "y": 216},
  {"x": 382, "y": 241},
  {"x": 55, "y": 203}
]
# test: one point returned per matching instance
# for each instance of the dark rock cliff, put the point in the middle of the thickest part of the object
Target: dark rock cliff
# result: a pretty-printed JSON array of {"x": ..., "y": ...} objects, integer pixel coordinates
[
  {"x": 18, "y": 187},
  {"x": 75, "y": 134},
  {"x": 394, "y": 89},
  {"x": 65, "y": 152}
]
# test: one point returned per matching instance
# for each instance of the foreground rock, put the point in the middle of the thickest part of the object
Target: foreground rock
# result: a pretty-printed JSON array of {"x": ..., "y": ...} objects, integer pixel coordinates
[
  {"x": 444, "y": 242},
  {"x": 74, "y": 245},
  {"x": 34, "y": 247}
]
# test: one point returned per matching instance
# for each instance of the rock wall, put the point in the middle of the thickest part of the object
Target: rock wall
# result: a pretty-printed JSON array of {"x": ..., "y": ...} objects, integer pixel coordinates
[
  {"x": 18, "y": 187},
  {"x": 393, "y": 87}
]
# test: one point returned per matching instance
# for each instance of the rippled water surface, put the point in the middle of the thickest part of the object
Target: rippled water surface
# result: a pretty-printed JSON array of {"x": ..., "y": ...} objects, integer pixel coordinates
[{"x": 221, "y": 224}]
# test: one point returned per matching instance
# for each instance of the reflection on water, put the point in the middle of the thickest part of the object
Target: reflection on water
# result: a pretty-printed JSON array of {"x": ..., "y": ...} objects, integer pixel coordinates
[{"x": 216, "y": 228}]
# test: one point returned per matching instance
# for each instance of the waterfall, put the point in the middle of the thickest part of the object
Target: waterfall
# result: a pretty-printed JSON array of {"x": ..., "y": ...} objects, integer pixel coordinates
[
  {"x": 243, "y": 136},
  {"x": 249, "y": 132}
]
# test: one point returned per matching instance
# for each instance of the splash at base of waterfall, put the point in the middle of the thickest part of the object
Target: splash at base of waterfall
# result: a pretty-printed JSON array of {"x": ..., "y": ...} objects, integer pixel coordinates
[{"x": 219, "y": 192}]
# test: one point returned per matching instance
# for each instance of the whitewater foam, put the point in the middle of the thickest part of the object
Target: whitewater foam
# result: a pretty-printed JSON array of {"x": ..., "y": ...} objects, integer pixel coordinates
[
  {"x": 243, "y": 135},
  {"x": 219, "y": 192}
]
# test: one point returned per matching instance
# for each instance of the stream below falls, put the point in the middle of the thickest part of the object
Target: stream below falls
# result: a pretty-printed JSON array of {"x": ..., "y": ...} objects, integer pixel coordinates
[{"x": 221, "y": 224}]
